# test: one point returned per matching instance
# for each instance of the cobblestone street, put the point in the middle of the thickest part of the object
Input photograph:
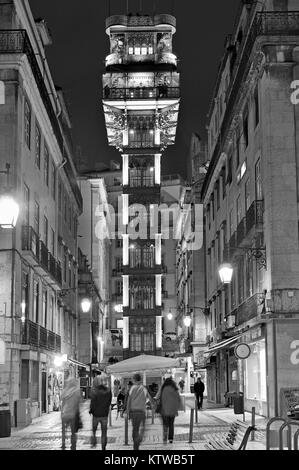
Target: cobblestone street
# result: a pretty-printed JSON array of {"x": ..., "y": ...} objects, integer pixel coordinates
[{"x": 45, "y": 432}]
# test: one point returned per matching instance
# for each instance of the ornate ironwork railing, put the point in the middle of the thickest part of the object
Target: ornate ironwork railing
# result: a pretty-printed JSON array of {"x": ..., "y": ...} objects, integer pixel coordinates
[
  {"x": 141, "y": 93},
  {"x": 255, "y": 215},
  {"x": 249, "y": 309},
  {"x": 35, "y": 335},
  {"x": 30, "y": 241},
  {"x": 17, "y": 42}
]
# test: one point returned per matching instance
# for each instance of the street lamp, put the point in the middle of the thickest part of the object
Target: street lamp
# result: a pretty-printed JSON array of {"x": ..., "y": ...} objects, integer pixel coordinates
[
  {"x": 169, "y": 316},
  {"x": 86, "y": 305},
  {"x": 226, "y": 273},
  {"x": 9, "y": 209},
  {"x": 187, "y": 321}
]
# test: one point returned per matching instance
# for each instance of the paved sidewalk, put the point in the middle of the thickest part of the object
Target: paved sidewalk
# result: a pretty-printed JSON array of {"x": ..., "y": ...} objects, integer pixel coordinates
[{"x": 45, "y": 432}]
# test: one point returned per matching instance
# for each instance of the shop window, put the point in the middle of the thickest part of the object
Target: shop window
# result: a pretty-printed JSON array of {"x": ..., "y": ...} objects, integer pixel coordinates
[{"x": 255, "y": 372}]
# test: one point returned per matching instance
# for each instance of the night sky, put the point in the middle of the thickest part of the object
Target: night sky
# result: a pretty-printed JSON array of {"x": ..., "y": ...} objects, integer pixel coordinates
[{"x": 77, "y": 60}]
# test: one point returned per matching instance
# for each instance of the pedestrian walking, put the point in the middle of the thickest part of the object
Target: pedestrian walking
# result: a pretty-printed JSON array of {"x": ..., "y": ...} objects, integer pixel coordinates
[
  {"x": 70, "y": 410},
  {"x": 136, "y": 409},
  {"x": 100, "y": 402},
  {"x": 170, "y": 403},
  {"x": 129, "y": 386},
  {"x": 182, "y": 385},
  {"x": 199, "y": 388}
]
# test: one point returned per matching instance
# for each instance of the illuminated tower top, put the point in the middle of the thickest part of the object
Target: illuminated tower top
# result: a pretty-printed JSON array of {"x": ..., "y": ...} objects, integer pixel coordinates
[{"x": 137, "y": 40}]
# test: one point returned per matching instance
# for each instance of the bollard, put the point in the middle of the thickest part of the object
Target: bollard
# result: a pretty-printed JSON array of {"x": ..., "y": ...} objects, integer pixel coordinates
[
  {"x": 191, "y": 425},
  {"x": 252, "y": 422},
  {"x": 126, "y": 430},
  {"x": 196, "y": 412}
]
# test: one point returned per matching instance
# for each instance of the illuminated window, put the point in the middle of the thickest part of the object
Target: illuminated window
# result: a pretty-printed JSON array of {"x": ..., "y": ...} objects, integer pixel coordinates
[
  {"x": 137, "y": 51},
  {"x": 150, "y": 50},
  {"x": 131, "y": 50},
  {"x": 144, "y": 51}
]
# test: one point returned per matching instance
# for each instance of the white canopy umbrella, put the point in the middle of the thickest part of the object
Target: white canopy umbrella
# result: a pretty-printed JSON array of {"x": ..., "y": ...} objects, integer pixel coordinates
[{"x": 143, "y": 364}]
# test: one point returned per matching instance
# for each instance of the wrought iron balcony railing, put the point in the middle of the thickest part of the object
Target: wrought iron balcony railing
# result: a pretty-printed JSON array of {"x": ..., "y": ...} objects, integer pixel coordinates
[
  {"x": 38, "y": 336},
  {"x": 159, "y": 92},
  {"x": 17, "y": 42},
  {"x": 34, "y": 246},
  {"x": 249, "y": 309},
  {"x": 30, "y": 241}
]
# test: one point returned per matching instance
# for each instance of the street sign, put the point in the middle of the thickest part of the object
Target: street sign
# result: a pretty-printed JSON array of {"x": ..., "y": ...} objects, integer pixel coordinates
[{"x": 242, "y": 351}]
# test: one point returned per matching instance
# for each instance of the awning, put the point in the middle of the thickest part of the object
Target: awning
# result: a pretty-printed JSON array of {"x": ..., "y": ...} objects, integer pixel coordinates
[
  {"x": 222, "y": 344},
  {"x": 79, "y": 364}
]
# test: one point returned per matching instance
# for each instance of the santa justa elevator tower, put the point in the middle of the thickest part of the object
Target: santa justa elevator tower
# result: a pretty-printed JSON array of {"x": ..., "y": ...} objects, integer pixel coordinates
[{"x": 141, "y": 98}]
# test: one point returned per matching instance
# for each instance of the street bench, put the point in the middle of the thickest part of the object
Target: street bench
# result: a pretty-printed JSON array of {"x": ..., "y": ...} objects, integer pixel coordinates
[{"x": 235, "y": 439}]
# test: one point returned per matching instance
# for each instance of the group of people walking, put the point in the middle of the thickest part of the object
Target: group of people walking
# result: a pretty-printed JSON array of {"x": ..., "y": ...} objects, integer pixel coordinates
[{"x": 167, "y": 403}]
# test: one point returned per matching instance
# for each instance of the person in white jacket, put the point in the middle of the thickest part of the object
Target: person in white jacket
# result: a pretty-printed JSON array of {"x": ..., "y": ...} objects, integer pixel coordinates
[{"x": 70, "y": 410}]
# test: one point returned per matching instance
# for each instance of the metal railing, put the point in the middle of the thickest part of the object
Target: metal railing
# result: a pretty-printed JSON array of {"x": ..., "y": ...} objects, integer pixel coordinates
[
  {"x": 38, "y": 336},
  {"x": 248, "y": 309},
  {"x": 30, "y": 241}
]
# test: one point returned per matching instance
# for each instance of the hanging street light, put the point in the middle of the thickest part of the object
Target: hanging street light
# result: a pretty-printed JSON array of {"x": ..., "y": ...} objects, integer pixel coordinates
[
  {"x": 226, "y": 273},
  {"x": 187, "y": 321},
  {"x": 86, "y": 305},
  {"x": 169, "y": 316}
]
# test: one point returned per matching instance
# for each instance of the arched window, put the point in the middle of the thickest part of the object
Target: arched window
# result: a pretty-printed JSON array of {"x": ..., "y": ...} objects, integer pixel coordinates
[{"x": 2, "y": 93}]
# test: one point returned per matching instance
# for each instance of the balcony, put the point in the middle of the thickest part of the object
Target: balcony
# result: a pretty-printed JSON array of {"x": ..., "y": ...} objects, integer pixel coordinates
[
  {"x": 30, "y": 244},
  {"x": 36, "y": 253},
  {"x": 247, "y": 228},
  {"x": 251, "y": 308},
  {"x": 39, "y": 337},
  {"x": 142, "y": 270},
  {"x": 150, "y": 93}
]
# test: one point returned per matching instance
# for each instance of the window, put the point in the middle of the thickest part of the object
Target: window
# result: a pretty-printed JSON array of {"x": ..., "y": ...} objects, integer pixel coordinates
[
  {"x": 119, "y": 287},
  {"x": 217, "y": 191},
  {"x": 239, "y": 210},
  {"x": 131, "y": 50},
  {"x": 247, "y": 195},
  {"x": 37, "y": 145},
  {"x": 53, "y": 180},
  {"x": 230, "y": 170},
  {"x": 26, "y": 205},
  {"x": 258, "y": 181},
  {"x": 52, "y": 248},
  {"x": 231, "y": 222},
  {"x": 150, "y": 50},
  {"x": 46, "y": 165},
  {"x": 25, "y": 293},
  {"x": 45, "y": 308},
  {"x": 144, "y": 51},
  {"x": 70, "y": 218},
  {"x": 46, "y": 224},
  {"x": 245, "y": 128},
  {"x": 137, "y": 51},
  {"x": 27, "y": 123},
  {"x": 35, "y": 301},
  {"x": 256, "y": 107},
  {"x": 36, "y": 218},
  {"x": 223, "y": 182},
  {"x": 75, "y": 226},
  {"x": 59, "y": 195}
]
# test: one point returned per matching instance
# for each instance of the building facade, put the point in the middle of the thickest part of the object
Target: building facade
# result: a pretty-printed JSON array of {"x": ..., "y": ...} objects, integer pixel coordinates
[
  {"x": 141, "y": 103},
  {"x": 38, "y": 258},
  {"x": 251, "y": 209}
]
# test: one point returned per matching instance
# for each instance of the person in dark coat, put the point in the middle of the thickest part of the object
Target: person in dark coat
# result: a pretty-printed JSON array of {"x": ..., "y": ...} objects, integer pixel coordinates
[
  {"x": 199, "y": 388},
  {"x": 100, "y": 403},
  {"x": 170, "y": 404}
]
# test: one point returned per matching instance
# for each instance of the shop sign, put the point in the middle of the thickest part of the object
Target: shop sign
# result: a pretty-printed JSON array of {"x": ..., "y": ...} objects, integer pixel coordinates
[{"x": 242, "y": 351}]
